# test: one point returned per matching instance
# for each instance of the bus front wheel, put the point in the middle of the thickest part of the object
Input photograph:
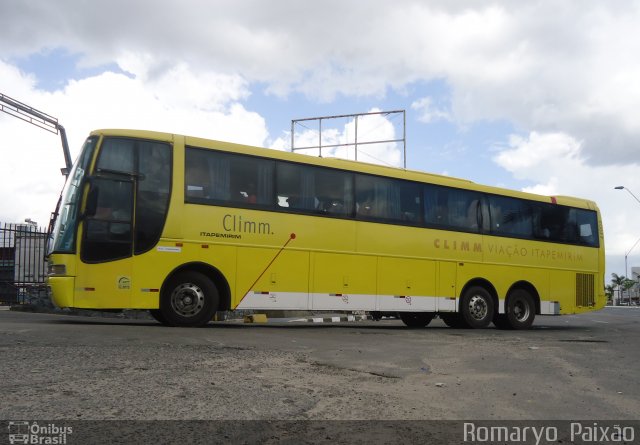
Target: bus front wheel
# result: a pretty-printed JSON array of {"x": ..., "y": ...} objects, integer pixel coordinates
[
  {"x": 476, "y": 307},
  {"x": 189, "y": 299}
]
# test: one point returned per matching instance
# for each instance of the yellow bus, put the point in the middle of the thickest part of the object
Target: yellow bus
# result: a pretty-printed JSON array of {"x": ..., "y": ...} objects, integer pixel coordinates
[{"x": 185, "y": 227}]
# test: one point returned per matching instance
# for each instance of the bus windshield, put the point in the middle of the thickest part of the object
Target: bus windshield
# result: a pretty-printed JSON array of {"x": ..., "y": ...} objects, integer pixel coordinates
[{"x": 63, "y": 240}]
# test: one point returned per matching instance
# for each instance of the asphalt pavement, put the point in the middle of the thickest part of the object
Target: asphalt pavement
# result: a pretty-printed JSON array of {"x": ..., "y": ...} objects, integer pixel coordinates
[{"x": 64, "y": 368}]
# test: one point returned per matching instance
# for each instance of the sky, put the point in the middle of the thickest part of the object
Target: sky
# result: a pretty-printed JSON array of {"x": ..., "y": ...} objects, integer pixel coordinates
[{"x": 540, "y": 96}]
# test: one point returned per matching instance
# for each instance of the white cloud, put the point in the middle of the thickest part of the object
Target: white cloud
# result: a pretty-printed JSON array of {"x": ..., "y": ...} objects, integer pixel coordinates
[
  {"x": 428, "y": 112},
  {"x": 540, "y": 65},
  {"x": 536, "y": 151},
  {"x": 177, "y": 101}
]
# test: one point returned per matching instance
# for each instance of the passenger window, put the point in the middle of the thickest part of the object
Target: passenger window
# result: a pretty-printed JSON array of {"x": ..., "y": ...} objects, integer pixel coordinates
[
  {"x": 314, "y": 190},
  {"x": 452, "y": 208},
  {"x": 388, "y": 199},
  {"x": 213, "y": 176},
  {"x": 565, "y": 224},
  {"x": 199, "y": 177},
  {"x": 549, "y": 221},
  {"x": 586, "y": 227},
  {"x": 511, "y": 216}
]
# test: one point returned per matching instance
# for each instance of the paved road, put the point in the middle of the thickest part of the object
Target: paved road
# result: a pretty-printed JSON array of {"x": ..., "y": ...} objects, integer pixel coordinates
[{"x": 573, "y": 367}]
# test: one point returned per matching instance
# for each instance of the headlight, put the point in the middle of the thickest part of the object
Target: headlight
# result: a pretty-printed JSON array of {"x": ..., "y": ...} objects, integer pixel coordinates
[{"x": 57, "y": 269}]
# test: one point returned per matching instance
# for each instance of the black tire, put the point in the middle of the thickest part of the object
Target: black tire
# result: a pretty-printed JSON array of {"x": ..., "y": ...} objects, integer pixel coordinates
[
  {"x": 189, "y": 299},
  {"x": 416, "y": 319},
  {"x": 376, "y": 315},
  {"x": 476, "y": 307},
  {"x": 157, "y": 316},
  {"x": 454, "y": 320},
  {"x": 521, "y": 309}
]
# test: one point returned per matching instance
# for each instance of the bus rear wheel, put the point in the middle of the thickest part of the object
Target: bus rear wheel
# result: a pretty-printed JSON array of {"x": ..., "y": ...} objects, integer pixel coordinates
[
  {"x": 476, "y": 307},
  {"x": 416, "y": 319},
  {"x": 189, "y": 299},
  {"x": 520, "y": 310}
]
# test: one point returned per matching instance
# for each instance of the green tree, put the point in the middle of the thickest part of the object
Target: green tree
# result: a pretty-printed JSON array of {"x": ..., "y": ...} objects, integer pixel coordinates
[
  {"x": 609, "y": 290},
  {"x": 618, "y": 282},
  {"x": 628, "y": 284}
]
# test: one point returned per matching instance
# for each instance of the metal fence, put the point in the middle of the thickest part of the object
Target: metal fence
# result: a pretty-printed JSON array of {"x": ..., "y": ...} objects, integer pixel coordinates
[{"x": 22, "y": 263}]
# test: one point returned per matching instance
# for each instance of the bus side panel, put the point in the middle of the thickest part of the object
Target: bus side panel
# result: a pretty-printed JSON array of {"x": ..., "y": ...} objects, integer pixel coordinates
[
  {"x": 563, "y": 283},
  {"x": 270, "y": 279},
  {"x": 447, "y": 286},
  {"x": 576, "y": 292},
  {"x": 343, "y": 281},
  {"x": 103, "y": 285},
  {"x": 406, "y": 285}
]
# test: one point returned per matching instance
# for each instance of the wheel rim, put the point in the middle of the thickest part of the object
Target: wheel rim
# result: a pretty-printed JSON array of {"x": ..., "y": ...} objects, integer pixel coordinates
[
  {"x": 187, "y": 299},
  {"x": 478, "y": 308},
  {"x": 521, "y": 310}
]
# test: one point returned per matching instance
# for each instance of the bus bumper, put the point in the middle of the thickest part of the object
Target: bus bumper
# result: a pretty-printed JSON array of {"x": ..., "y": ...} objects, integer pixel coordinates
[{"x": 61, "y": 291}]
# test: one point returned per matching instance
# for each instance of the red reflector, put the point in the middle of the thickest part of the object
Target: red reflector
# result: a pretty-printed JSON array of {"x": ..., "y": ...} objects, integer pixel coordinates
[
  {"x": 178, "y": 244},
  {"x": 205, "y": 246},
  {"x": 90, "y": 289}
]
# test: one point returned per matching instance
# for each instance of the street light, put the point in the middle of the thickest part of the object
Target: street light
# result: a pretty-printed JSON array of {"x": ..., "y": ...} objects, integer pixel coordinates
[
  {"x": 627, "y": 255},
  {"x": 622, "y": 187}
]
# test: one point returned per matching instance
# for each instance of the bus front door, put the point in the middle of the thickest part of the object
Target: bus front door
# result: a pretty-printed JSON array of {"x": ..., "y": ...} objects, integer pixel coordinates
[{"x": 104, "y": 270}]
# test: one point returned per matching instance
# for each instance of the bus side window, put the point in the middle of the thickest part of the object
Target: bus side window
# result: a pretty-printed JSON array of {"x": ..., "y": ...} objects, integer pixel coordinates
[
  {"x": 311, "y": 189},
  {"x": 435, "y": 209},
  {"x": 452, "y": 208},
  {"x": 295, "y": 187},
  {"x": 511, "y": 216},
  {"x": 197, "y": 178},
  {"x": 549, "y": 221},
  {"x": 388, "y": 199},
  {"x": 251, "y": 180},
  {"x": 472, "y": 214},
  {"x": 587, "y": 223}
]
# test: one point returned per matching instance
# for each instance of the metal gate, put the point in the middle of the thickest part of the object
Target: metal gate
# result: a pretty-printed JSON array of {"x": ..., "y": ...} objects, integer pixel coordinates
[{"x": 22, "y": 263}]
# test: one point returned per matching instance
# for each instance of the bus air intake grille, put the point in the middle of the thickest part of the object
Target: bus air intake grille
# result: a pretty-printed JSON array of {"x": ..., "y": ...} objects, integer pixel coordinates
[{"x": 585, "y": 290}]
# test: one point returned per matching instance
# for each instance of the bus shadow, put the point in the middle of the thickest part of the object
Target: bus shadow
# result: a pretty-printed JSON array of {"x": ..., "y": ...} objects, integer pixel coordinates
[{"x": 370, "y": 327}]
